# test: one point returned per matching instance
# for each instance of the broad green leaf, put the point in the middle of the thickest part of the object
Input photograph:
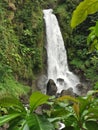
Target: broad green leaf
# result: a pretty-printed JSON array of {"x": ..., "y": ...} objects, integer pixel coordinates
[
  {"x": 8, "y": 100},
  {"x": 36, "y": 122},
  {"x": 60, "y": 113},
  {"x": 96, "y": 29},
  {"x": 25, "y": 127},
  {"x": 85, "y": 8},
  {"x": 37, "y": 99},
  {"x": 18, "y": 124},
  {"x": 70, "y": 121},
  {"x": 84, "y": 102},
  {"x": 54, "y": 119},
  {"x": 94, "y": 45},
  {"x": 7, "y": 118},
  {"x": 91, "y": 36}
]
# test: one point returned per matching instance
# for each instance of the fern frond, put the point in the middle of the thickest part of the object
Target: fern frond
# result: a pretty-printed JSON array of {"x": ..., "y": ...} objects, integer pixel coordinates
[{"x": 8, "y": 100}]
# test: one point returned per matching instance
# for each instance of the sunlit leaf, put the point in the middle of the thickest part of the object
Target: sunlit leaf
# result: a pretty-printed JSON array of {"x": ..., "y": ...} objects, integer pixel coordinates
[
  {"x": 85, "y": 8},
  {"x": 96, "y": 29},
  {"x": 36, "y": 122},
  {"x": 37, "y": 99},
  {"x": 84, "y": 102}
]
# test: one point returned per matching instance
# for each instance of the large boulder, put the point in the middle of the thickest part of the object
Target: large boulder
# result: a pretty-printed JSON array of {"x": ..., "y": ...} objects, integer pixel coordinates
[
  {"x": 82, "y": 89},
  {"x": 68, "y": 91},
  {"x": 51, "y": 88}
]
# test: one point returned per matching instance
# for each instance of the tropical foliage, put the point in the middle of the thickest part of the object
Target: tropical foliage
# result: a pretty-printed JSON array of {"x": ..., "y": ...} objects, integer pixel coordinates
[
  {"x": 76, "y": 113},
  {"x": 85, "y": 8},
  {"x": 21, "y": 59},
  {"x": 22, "y": 118},
  {"x": 86, "y": 32}
]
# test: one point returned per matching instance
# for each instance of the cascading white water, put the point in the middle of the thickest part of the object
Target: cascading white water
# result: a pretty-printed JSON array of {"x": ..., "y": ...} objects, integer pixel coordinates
[{"x": 56, "y": 55}]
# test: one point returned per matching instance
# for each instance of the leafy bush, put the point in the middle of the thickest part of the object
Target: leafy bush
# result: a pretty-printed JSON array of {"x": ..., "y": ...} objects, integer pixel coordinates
[
  {"x": 79, "y": 113},
  {"x": 21, "y": 118},
  {"x": 76, "y": 113},
  {"x": 10, "y": 85},
  {"x": 88, "y": 29}
]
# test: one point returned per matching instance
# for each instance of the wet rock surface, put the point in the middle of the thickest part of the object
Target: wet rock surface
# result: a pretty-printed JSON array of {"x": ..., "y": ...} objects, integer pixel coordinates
[
  {"x": 51, "y": 88},
  {"x": 81, "y": 88},
  {"x": 84, "y": 88},
  {"x": 68, "y": 91}
]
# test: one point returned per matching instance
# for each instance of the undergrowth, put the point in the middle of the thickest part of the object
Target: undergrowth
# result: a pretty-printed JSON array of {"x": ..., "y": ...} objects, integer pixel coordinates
[{"x": 10, "y": 85}]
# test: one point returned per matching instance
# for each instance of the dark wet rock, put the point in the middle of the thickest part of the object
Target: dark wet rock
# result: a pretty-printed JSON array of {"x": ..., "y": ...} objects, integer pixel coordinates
[
  {"x": 51, "y": 88},
  {"x": 60, "y": 80},
  {"x": 68, "y": 91},
  {"x": 79, "y": 87},
  {"x": 82, "y": 89}
]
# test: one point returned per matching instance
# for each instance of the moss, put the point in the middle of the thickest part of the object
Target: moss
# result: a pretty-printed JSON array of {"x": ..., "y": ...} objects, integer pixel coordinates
[{"x": 21, "y": 40}]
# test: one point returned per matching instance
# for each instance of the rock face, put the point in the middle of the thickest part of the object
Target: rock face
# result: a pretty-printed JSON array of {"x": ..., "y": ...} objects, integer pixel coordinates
[
  {"x": 83, "y": 89},
  {"x": 42, "y": 83},
  {"x": 51, "y": 88},
  {"x": 68, "y": 91}
]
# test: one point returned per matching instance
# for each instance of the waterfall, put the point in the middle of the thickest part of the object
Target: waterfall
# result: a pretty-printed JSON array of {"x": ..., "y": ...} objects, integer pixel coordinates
[{"x": 57, "y": 69}]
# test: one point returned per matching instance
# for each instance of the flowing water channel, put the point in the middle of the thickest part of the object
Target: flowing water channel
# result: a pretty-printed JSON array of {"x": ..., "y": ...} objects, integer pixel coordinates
[{"x": 57, "y": 69}]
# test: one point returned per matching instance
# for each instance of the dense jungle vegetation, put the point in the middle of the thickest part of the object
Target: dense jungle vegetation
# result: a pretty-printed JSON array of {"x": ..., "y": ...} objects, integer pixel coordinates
[
  {"x": 23, "y": 60},
  {"x": 22, "y": 39}
]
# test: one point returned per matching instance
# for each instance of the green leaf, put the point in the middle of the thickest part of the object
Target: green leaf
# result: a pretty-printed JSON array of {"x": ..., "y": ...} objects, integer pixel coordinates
[
  {"x": 7, "y": 118},
  {"x": 85, "y": 8},
  {"x": 96, "y": 29},
  {"x": 60, "y": 112},
  {"x": 36, "y": 122},
  {"x": 54, "y": 119},
  {"x": 37, "y": 99},
  {"x": 8, "y": 100},
  {"x": 84, "y": 102},
  {"x": 18, "y": 124},
  {"x": 91, "y": 36},
  {"x": 91, "y": 125},
  {"x": 92, "y": 113},
  {"x": 70, "y": 121}
]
